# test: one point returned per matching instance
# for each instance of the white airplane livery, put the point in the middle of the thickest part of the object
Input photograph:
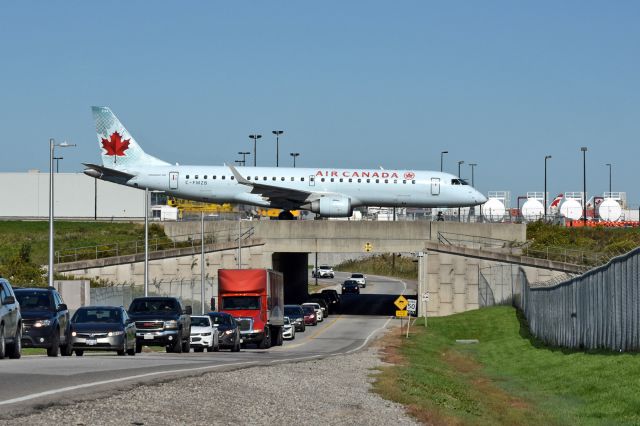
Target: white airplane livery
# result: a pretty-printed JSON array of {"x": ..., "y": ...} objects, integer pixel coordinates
[{"x": 329, "y": 192}]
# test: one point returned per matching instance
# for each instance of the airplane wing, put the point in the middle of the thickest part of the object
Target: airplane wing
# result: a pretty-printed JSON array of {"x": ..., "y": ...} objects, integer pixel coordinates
[{"x": 290, "y": 198}]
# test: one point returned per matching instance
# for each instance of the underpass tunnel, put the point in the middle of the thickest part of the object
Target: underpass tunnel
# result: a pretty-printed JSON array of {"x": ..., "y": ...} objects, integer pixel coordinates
[{"x": 295, "y": 273}]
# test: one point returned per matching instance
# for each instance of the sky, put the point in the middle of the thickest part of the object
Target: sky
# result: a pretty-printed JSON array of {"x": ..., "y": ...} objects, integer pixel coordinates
[{"x": 352, "y": 85}]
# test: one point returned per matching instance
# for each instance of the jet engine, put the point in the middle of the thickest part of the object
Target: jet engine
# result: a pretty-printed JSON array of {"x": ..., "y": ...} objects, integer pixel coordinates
[{"x": 332, "y": 206}]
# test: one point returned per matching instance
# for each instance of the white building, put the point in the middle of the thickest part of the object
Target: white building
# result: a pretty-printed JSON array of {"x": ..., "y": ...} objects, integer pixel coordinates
[{"x": 77, "y": 196}]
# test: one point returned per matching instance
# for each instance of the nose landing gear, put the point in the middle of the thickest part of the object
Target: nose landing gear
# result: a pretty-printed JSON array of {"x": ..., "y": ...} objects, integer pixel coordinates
[{"x": 285, "y": 215}]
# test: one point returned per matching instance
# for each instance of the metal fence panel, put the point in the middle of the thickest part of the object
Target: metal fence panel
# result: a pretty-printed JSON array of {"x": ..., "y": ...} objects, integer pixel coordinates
[
  {"x": 186, "y": 290},
  {"x": 597, "y": 310}
]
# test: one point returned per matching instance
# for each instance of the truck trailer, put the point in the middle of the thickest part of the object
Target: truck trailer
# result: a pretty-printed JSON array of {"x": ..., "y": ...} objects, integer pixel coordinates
[{"x": 255, "y": 298}]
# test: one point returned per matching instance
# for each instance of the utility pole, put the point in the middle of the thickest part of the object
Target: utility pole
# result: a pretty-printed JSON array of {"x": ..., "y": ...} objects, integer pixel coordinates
[
  {"x": 277, "y": 133},
  {"x": 255, "y": 139}
]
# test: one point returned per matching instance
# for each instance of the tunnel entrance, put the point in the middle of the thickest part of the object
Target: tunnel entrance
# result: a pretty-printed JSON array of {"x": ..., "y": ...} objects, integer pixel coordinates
[{"x": 296, "y": 275}]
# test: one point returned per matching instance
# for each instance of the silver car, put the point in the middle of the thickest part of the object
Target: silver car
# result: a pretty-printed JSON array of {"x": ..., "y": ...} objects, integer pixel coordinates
[
  {"x": 102, "y": 328},
  {"x": 288, "y": 330}
]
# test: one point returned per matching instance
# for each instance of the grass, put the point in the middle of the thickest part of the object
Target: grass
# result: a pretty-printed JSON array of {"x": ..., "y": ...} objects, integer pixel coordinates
[
  {"x": 507, "y": 378},
  {"x": 383, "y": 264},
  {"x": 68, "y": 235}
]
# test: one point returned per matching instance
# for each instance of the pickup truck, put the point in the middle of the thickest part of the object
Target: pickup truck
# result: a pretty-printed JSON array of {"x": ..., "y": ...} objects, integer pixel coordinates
[{"x": 161, "y": 321}]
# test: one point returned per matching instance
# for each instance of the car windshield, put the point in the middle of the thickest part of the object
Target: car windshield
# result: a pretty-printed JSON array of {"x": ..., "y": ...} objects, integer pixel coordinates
[
  {"x": 350, "y": 282},
  {"x": 92, "y": 315},
  {"x": 292, "y": 311},
  {"x": 200, "y": 322},
  {"x": 231, "y": 303},
  {"x": 154, "y": 305},
  {"x": 308, "y": 309},
  {"x": 357, "y": 276},
  {"x": 219, "y": 319},
  {"x": 34, "y": 300},
  {"x": 325, "y": 267}
]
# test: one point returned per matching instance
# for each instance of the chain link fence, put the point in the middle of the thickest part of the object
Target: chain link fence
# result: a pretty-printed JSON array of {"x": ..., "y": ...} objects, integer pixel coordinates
[
  {"x": 187, "y": 290},
  {"x": 597, "y": 310},
  {"x": 496, "y": 285}
]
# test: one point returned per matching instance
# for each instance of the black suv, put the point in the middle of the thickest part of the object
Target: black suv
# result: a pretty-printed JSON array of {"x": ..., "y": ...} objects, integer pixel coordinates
[
  {"x": 10, "y": 322},
  {"x": 45, "y": 320},
  {"x": 161, "y": 321}
]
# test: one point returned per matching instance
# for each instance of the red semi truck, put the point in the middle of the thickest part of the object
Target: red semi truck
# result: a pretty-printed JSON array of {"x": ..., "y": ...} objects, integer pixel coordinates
[{"x": 255, "y": 298}]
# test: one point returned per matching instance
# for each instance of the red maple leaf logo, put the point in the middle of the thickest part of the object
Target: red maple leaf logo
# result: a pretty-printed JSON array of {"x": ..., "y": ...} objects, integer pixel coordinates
[
  {"x": 115, "y": 145},
  {"x": 409, "y": 175}
]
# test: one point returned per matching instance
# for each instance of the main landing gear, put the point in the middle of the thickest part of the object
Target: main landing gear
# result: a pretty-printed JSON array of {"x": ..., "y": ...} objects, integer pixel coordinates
[{"x": 285, "y": 215}]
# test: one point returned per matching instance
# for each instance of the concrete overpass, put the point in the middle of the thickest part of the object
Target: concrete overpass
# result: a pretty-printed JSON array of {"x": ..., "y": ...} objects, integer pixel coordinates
[{"x": 450, "y": 273}]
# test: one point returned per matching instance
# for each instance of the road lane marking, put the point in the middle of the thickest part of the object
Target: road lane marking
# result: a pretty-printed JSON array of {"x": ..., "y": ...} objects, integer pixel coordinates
[
  {"x": 118, "y": 380},
  {"x": 369, "y": 337}
]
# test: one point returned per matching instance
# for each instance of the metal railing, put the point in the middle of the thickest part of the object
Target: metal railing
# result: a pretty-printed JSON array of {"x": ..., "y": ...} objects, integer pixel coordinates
[
  {"x": 137, "y": 246},
  {"x": 599, "y": 309},
  {"x": 474, "y": 241}
]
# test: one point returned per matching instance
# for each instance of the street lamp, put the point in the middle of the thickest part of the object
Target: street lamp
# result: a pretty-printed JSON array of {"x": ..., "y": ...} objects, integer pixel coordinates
[
  {"x": 461, "y": 162},
  {"x": 244, "y": 157},
  {"x": 546, "y": 157},
  {"x": 442, "y": 153},
  {"x": 609, "y": 164},
  {"x": 294, "y": 155},
  {"x": 472, "y": 165},
  {"x": 255, "y": 139},
  {"x": 277, "y": 133},
  {"x": 58, "y": 163},
  {"x": 52, "y": 146},
  {"x": 584, "y": 185}
]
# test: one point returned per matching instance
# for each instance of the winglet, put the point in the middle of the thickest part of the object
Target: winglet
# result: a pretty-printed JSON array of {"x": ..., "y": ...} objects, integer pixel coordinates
[{"x": 239, "y": 177}]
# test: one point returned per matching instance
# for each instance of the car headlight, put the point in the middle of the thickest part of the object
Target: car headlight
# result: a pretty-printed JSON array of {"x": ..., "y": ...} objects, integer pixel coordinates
[
  {"x": 74, "y": 334},
  {"x": 42, "y": 323},
  {"x": 171, "y": 324},
  {"x": 228, "y": 332},
  {"x": 115, "y": 333}
]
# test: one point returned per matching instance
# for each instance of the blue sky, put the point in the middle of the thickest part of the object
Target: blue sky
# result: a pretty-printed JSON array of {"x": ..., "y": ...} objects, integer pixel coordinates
[{"x": 352, "y": 84}]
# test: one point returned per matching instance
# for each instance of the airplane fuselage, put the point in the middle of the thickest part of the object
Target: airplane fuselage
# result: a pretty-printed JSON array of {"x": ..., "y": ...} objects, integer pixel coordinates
[{"x": 384, "y": 188}]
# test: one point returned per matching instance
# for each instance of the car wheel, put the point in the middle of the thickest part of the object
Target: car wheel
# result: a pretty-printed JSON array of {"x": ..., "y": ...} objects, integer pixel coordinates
[
  {"x": 123, "y": 351},
  {"x": 265, "y": 343},
  {"x": 280, "y": 338},
  {"x": 54, "y": 350},
  {"x": 67, "y": 349},
  {"x": 177, "y": 345},
  {"x": 132, "y": 351},
  {"x": 186, "y": 346},
  {"x": 3, "y": 343},
  {"x": 138, "y": 347},
  {"x": 16, "y": 348},
  {"x": 216, "y": 348},
  {"x": 79, "y": 352}
]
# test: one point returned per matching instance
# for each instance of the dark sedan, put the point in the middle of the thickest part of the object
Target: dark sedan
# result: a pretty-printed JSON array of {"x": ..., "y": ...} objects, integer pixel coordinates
[
  {"x": 296, "y": 316},
  {"x": 350, "y": 286},
  {"x": 228, "y": 330},
  {"x": 103, "y": 328}
]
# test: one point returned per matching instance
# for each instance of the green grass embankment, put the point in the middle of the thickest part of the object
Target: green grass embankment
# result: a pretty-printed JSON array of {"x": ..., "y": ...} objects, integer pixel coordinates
[
  {"x": 598, "y": 239},
  {"x": 508, "y": 377},
  {"x": 404, "y": 267},
  {"x": 68, "y": 235}
]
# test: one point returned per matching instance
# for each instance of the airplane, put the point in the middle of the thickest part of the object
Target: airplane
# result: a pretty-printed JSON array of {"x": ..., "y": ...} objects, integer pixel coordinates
[{"x": 328, "y": 192}]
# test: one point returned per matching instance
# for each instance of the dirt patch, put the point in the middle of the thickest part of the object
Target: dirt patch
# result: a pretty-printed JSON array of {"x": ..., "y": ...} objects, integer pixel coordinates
[{"x": 390, "y": 345}]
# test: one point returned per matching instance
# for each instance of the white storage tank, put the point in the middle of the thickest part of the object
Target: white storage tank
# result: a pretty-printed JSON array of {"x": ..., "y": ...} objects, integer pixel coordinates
[
  {"x": 571, "y": 209},
  {"x": 532, "y": 209},
  {"x": 610, "y": 210},
  {"x": 493, "y": 210}
]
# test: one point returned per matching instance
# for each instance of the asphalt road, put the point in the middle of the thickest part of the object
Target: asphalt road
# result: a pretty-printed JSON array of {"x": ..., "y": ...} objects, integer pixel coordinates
[{"x": 34, "y": 381}]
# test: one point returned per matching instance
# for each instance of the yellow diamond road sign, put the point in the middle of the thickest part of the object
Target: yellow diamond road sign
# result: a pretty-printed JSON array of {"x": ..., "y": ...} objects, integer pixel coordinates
[{"x": 401, "y": 302}]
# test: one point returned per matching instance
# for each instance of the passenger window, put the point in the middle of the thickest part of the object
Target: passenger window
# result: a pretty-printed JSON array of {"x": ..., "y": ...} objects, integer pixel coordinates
[
  {"x": 213, "y": 177},
  {"x": 257, "y": 178},
  {"x": 386, "y": 181},
  {"x": 413, "y": 181},
  {"x": 377, "y": 180},
  {"x": 195, "y": 177},
  {"x": 311, "y": 179},
  {"x": 223, "y": 177},
  {"x": 359, "y": 180},
  {"x": 187, "y": 177},
  {"x": 282, "y": 178},
  {"x": 248, "y": 177},
  {"x": 232, "y": 178},
  {"x": 341, "y": 180},
  {"x": 301, "y": 179},
  {"x": 264, "y": 178},
  {"x": 331, "y": 179},
  {"x": 395, "y": 181},
  {"x": 404, "y": 181},
  {"x": 205, "y": 177},
  {"x": 350, "y": 180},
  {"x": 322, "y": 180},
  {"x": 368, "y": 180},
  {"x": 273, "y": 178},
  {"x": 292, "y": 179}
]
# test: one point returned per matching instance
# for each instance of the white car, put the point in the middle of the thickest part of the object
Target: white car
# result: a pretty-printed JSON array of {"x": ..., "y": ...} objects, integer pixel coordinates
[
  {"x": 323, "y": 271},
  {"x": 203, "y": 334},
  {"x": 359, "y": 278},
  {"x": 288, "y": 331},
  {"x": 317, "y": 308}
]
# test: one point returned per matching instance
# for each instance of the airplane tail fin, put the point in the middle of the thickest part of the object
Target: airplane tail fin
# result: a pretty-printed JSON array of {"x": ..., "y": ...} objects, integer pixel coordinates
[{"x": 119, "y": 149}]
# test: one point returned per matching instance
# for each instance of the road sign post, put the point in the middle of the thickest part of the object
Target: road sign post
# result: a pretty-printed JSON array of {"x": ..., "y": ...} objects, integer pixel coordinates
[{"x": 422, "y": 284}]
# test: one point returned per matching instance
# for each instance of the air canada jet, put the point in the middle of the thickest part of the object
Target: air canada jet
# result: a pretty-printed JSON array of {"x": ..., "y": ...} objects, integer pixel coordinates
[{"x": 329, "y": 192}]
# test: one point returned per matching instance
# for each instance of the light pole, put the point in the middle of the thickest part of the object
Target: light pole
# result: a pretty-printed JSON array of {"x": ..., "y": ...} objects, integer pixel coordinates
[
  {"x": 584, "y": 185},
  {"x": 277, "y": 133},
  {"x": 609, "y": 164},
  {"x": 472, "y": 165},
  {"x": 255, "y": 139},
  {"x": 294, "y": 155},
  {"x": 546, "y": 157},
  {"x": 52, "y": 147},
  {"x": 244, "y": 157},
  {"x": 58, "y": 163},
  {"x": 461, "y": 162},
  {"x": 442, "y": 153},
  {"x": 239, "y": 162}
]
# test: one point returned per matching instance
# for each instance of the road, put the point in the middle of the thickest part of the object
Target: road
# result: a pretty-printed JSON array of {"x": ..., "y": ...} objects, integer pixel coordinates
[{"x": 39, "y": 380}]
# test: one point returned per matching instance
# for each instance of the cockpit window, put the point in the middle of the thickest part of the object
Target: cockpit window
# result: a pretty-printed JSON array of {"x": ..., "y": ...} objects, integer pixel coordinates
[{"x": 459, "y": 182}]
